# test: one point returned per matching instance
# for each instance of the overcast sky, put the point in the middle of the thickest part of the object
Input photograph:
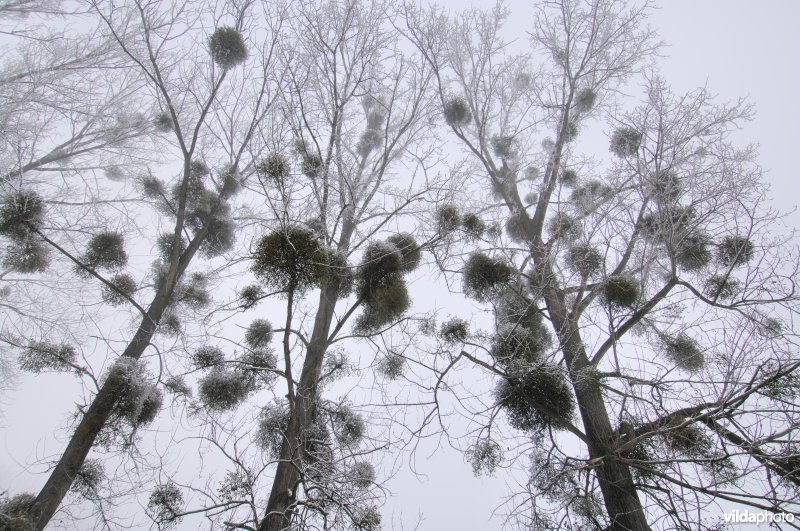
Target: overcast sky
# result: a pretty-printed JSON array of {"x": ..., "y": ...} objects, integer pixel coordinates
[{"x": 735, "y": 47}]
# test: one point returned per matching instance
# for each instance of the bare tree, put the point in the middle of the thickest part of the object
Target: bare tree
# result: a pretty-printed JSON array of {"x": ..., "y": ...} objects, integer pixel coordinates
[
  {"x": 650, "y": 294},
  {"x": 62, "y": 112},
  {"x": 187, "y": 79},
  {"x": 331, "y": 250},
  {"x": 372, "y": 119}
]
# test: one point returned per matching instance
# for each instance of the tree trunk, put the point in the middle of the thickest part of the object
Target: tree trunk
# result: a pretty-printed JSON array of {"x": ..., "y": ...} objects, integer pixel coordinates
[
  {"x": 91, "y": 423},
  {"x": 287, "y": 476},
  {"x": 93, "y": 420},
  {"x": 616, "y": 483}
]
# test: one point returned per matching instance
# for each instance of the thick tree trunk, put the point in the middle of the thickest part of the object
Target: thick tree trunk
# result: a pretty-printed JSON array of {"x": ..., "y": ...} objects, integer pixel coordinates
[
  {"x": 84, "y": 436},
  {"x": 616, "y": 483},
  {"x": 288, "y": 474}
]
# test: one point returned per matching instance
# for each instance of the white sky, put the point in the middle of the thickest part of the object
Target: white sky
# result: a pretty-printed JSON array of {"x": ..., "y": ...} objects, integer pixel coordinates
[{"x": 736, "y": 47}]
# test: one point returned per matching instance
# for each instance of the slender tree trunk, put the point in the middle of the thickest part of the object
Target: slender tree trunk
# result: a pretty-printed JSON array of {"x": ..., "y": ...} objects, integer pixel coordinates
[
  {"x": 616, "y": 483},
  {"x": 287, "y": 476},
  {"x": 101, "y": 408},
  {"x": 91, "y": 423}
]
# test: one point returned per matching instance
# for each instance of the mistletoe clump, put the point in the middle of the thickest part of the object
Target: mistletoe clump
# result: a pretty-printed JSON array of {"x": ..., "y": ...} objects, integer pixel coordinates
[
  {"x": 28, "y": 255},
  {"x": 140, "y": 401},
  {"x": 198, "y": 169},
  {"x": 165, "y": 504},
  {"x": 375, "y": 119},
  {"x": 625, "y": 142},
  {"x": 349, "y": 427},
  {"x": 88, "y": 479},
  {"x": 220, "y": 230},
  {"x": 164, "y": 245},
  {"x": 518, "y": 346},
  {"x": 514, "y": 308},
  {"x": 231, "y": 182},
  {"x": 539, "y": 399},
  {"x": 221, "y": 233},
  {"x": 170, "y": 324},
  {"x": 571, "y": 131},
  {"x": 273, "y": 421},
  {"x": 21, "y": 214},
  {"x": 144, "y": 409},
  {"x": 311, "y": 164},
  {"x": 208, "y": 356},
  {"x": 515, "y": 226},
  {"x": 665, "y": 186},
  {"x": 684, "y": 352},
  {"x": 251, "y": 295},
  {"x": 370, "y": 139},
  {"x": 227, "y": 47},
  {"x": 195, "y": 293},
  {"x": 473, "y": 225},
  {"x": 206, "y": 210},
  {"x": 666, "y": 223},
  {"x": 621, "y": 291},
  {"x": 448, "y": 218},
  {"x": 235, "y": 486},
  {"x": 336, "y": 364},
  {"x": 381, "y": 264},
  {"x": 367, "y": 518},
  {"x": 564, "y": 226},
  {"x": 163, "y": 122},
  {"x": 392, "y": 365},
  {"x": 503, "y": 146},
  {"x": 114, "y": 173},
  {"x": 693, "y": 252},
  {"x": 223, "y": 389},
  {"x": 454, "y": 331},
  {"x": 152, "y": 187},
  {"x": 259, "y": 334},
  {"x": 410, "y": 251},
  {"x": 688, "y": 440},
  {"x": 338, "y": 273},
  {"x": 588, "y": 196},
  {"x": 362, "y": 474},
  {"x": 125, "y": 286},
  {"x": 456, "y": 112},
  {"x": 177, "y": 386},
  {"x": 316, "y": 444},
  {"x": 275, "y": 167},
  {"x": 735, "y": 251},
  {"x": 381, "y": 286},
  {"x": 584, "y": 259},
  {"x": 106, "y": 251},
  {"x": 483, "y": 276},
  {"x": 291, "y": 259},
  {"x": 14, "y": 512},
  {"x": 257, "y": 368},
  {"x": 43, "y": 356},
  {"x": 721, "y": 287},
  {"x": 569, "y": 177},
  {"x": 585, "y": 100},
  {"x": 484, "y": 456},
  {"x": 385, "y": 304}
]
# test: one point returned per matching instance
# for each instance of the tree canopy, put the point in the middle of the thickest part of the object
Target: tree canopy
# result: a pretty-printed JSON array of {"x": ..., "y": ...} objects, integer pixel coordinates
[{"x": 266, "y": 253}]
